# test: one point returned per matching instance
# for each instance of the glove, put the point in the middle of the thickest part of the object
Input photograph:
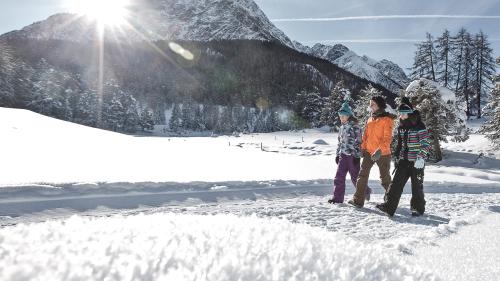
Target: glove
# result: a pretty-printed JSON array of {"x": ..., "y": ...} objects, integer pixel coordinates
[
  {"x": 420, "y": 163},
  {"x": 356, "y": 161},
  {"x": 337, "y": 159},
  {"x": 376, "y": 155}
]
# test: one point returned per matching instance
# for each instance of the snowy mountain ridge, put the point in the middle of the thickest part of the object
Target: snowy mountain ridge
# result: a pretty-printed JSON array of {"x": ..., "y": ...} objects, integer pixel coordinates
[
  {"x": 384, "y": 72},
  {"x": 205, "y": 21},
  {"x": 152, "y": 20}
]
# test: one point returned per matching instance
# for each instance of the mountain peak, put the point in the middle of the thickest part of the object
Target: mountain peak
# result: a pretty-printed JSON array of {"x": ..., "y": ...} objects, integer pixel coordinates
[
  {"x": 384, "y": 72},
  {"x": 152, "y": 20}
]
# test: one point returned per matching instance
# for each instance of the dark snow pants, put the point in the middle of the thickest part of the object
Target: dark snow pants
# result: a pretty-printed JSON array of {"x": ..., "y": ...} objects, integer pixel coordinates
[{"x": 404, "y": 171}]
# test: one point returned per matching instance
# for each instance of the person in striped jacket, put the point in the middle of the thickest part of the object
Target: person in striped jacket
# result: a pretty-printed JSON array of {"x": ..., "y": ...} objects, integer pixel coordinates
[{"x": 411, "y": 153}]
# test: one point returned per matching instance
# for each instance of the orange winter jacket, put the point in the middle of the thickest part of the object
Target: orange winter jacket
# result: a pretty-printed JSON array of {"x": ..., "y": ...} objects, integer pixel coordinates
[{"x": 378, "y": 133}]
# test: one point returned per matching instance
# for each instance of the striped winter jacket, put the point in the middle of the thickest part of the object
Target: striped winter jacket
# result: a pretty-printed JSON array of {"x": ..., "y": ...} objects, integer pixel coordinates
[{"x": 413, "y": 139}]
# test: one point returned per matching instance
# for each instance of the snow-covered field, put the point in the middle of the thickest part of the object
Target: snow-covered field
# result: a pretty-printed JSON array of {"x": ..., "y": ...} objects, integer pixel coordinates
[{"x": 78, "y": 203}]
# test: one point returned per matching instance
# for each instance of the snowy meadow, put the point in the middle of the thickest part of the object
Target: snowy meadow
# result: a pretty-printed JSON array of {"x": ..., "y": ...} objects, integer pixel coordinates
[{"x": 81, "y": 203}]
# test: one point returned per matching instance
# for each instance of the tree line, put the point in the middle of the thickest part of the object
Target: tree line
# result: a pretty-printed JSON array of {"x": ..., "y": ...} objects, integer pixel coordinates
[{"x": 462, "y": 62}]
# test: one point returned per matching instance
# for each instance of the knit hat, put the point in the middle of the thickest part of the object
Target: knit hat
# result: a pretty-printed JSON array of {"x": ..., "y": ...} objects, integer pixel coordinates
[
  {"x": 345, "y": 109},
  {"x": 380, "y": 101},
  {"x": 405, "y": 107}
]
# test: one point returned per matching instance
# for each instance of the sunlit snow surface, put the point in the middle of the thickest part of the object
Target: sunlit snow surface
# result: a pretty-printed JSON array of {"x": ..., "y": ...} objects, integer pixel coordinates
[
  {"x": 191, "y": 247},
  {"x": 78, "y": 203}
]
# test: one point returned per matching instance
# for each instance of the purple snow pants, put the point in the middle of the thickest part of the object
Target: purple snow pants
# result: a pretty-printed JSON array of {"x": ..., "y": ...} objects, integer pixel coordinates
[{"x": 346, "y": 165}]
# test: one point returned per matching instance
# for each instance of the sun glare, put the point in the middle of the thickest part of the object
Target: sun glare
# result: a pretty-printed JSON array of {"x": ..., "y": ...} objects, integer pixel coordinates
[{"x": 106, "y": 12}]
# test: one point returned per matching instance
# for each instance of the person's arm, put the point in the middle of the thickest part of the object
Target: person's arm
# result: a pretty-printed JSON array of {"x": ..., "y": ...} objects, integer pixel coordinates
[
  {"x": 385, "y": 145},
  {"x": 425, "y": 146},
  {"x": 338, "y": 143},
  {"x": 399, "y": 145},
  {"x": 358, "y": 138},
  {"x": 365, "y": 137}
]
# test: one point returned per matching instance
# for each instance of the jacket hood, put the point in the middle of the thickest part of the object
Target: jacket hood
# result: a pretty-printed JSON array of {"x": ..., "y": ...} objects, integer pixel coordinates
[{"x": 383, "y": 113}]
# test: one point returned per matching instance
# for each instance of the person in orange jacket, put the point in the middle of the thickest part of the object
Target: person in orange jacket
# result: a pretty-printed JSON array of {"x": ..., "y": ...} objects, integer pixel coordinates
[{"x": 376, "y": 149}]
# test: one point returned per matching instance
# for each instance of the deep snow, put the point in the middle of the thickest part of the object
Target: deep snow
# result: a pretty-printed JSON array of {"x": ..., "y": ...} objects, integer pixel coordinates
[
  {"x": 187, "y": 247},
  {"x": 82, "y": 203}
]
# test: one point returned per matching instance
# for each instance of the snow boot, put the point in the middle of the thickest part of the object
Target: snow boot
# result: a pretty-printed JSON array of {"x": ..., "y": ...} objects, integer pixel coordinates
[
  {"x": 354, "y": 203},
  {"x": 383, "y": 208},
  {"x": 415, "y": 213}
]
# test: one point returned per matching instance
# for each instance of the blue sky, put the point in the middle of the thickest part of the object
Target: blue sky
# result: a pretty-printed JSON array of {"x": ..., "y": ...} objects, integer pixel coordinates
[{"x": 330, "y": 21}]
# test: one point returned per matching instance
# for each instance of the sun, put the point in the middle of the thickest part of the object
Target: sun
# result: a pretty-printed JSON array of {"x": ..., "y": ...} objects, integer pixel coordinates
[{"x": 106, "y": 12}]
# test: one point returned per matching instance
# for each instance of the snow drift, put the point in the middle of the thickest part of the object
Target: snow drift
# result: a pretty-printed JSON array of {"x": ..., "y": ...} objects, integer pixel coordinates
[{"x": 188, "y": 247}]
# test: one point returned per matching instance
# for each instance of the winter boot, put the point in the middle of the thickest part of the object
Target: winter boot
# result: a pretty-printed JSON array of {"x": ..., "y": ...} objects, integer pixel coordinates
[
  {"x": 383, "y": 208},
  {"x": 415, "y": 213},
  {"x": 352, "y": 202}
]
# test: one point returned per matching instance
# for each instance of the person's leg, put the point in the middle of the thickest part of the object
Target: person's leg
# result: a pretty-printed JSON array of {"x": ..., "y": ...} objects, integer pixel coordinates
[
  {"x": 362, "y": 181},
  {"x": 339, "y": 181},
  {"x": 354, "y": 173},
  {"x": 384, "y": 166},
  {"x": 417, "y": 201},
  {"x": 393, "y": 194}
]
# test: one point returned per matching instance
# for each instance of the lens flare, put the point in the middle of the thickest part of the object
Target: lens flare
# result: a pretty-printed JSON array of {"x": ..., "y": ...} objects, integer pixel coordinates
[
  {"x": 106, "y": 12},
  {"x": 178, "y": 49}
]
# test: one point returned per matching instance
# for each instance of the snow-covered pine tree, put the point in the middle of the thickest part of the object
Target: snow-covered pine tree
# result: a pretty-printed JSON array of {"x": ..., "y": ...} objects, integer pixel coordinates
[
  {"x": 210, "y": 116},
  {"x": 463, "y": 63},
  {"x": 225, "y": 121},
  {"x": 484, "y": 68},
  {"x": 332, "y": 105},
  {"x": 273, "y": 121},
  {"x": 491, "y": 127},
  {"x": 175, "y": 122},
  {"x": 363, "y": 103},
  {"x": 7, "y": 70},
  {"x": 425, "y": 59},
  {"x": 131, "y": 118},
  {"x": 45, "y": 87},
  {"x": 112, "y": 112},
  {"x": 146, "y": 121},
  {"x": 260, "y": 120},
  {"x": 249, "y": 124},
  {"x": 308, "y": 106},
  {"x": 443, "y": 58},
  {"x": 85, "y": 111},
  {"x": 187, "y": 115},
  {"x": 441, "y": 118},
  {"x": 198, "y": 122},
  {"x": 238, "y": 119}
]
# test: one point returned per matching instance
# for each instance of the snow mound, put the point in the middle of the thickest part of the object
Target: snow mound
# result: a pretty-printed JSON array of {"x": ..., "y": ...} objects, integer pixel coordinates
[
  {"x": 188, "y": 247},
  {"x": 320, "y": 142}
]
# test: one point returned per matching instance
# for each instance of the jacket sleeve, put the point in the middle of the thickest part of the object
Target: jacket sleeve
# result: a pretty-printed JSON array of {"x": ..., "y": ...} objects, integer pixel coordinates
[
  {"x": 385, "y": 145},
  {"x": 357, "y": 142},
  {"x": 364, "y": 139},
  {"x": 425, "y": 146},
  {"x": 338, "y": 143},
  {"x": 399, "y": 145}
]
